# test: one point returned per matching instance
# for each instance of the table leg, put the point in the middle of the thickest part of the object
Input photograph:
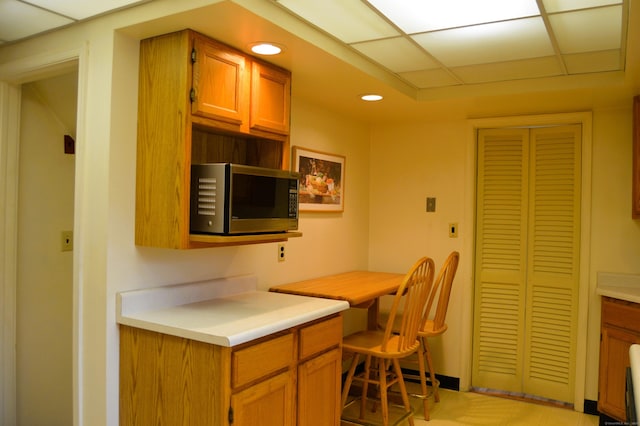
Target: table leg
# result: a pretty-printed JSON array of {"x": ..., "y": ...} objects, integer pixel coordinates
[{"x": 372, "y": 315}]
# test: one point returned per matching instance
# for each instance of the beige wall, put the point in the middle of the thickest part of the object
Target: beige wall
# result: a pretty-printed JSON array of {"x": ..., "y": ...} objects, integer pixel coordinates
[{"x": 412, "y": 161}]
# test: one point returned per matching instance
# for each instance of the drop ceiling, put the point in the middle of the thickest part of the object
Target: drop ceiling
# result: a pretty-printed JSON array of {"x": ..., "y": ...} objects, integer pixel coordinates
[
  {"x": 22, "y": 19},
  {"x": 432, "y": 44},
  {"x": 338, "y": 49}
]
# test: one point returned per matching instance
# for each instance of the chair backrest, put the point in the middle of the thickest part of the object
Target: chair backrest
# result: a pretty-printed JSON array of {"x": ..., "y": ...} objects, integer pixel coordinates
[
  {"x": 442, "y": 287},
  {"x": 414, "y": 292}
]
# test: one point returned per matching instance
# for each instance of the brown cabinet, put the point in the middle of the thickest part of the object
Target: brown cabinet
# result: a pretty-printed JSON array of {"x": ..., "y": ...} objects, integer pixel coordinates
[
  {"x": 620, "y": 329},
  {"x": 200, "y": 101},
  {"x": 635, "y": 202},
  {"x": 293, "y": 377}
]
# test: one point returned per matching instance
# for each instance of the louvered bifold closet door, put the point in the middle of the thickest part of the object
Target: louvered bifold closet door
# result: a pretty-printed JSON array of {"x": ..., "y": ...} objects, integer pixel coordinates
[
  {"x": 500, "y": 259},
  {"x": 526, "y": 266},
  {"x": 552, "y": 267}
]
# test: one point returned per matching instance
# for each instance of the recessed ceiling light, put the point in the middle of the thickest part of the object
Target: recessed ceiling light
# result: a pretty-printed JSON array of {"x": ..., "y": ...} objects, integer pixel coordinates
[
  {"x": 266, "y": 48},
  {"x": 371, "y": 97}
]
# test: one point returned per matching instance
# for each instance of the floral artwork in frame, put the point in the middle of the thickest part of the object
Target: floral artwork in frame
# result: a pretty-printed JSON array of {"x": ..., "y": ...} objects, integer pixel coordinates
[{"x": 321, "y": 180}]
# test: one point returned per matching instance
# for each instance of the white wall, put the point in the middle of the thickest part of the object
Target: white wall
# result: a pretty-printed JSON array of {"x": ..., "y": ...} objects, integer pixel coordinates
[{"x": 45, "y": 280}]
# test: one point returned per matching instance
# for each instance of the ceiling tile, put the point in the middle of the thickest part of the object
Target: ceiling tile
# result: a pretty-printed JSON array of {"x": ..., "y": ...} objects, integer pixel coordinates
[
  {"x": 512, "y": 70},
  {"x": 83, "y": 9},
  {"x": 19, "y": 20},
  {"x": 415, "y": 16},
  {"x": 589, "y": 62},
  {"x": 552, "y": 6},
  {"x": 397, "y": 54},
  {"x": 497, "y": 42},
  {"x": 349, "y": 21},
  {"x": 424, "y": 79},
  {"x": 588, "y": 30}
]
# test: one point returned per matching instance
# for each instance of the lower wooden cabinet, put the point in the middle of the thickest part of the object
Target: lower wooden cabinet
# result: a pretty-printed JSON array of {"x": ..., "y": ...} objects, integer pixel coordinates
[
  {"x": 620, "y": 329},
  {"x": 291, "y": 378}
]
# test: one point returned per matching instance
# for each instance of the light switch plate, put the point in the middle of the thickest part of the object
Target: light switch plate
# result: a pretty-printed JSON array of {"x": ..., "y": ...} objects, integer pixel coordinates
[{"x": 431, "y": 204}]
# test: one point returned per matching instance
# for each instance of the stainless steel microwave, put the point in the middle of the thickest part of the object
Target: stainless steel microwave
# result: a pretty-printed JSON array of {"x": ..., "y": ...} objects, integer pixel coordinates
[{"x": 237, "y": 199}]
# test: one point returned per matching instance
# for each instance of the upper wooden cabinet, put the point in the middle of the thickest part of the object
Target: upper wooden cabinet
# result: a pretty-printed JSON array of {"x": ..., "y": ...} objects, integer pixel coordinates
[
  {"x": 235, "y": 88},
  {"x": 201, "y": 101}
]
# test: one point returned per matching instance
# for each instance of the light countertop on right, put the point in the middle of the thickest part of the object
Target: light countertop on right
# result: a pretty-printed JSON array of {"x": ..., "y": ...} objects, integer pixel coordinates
[{"x": 619, "y": 286}]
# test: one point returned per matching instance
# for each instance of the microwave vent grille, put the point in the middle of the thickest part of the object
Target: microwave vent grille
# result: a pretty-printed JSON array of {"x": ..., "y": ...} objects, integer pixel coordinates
[{"x": 207, "y": 191}]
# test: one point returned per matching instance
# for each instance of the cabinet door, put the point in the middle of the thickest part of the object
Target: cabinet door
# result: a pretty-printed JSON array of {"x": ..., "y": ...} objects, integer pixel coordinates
[
  {"x": 319, "y": 390},
  {"x": 220, "y": 82},
  {"x": 268, "y": 403},
  {"x": 614, "y": 360},
  {"x": 270, "y": 98}
]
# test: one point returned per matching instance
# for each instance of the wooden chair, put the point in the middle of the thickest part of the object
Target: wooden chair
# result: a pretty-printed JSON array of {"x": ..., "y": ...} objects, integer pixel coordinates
[
  {"x": 384, "y": 348},
  {"x": 436, "y": 326}
]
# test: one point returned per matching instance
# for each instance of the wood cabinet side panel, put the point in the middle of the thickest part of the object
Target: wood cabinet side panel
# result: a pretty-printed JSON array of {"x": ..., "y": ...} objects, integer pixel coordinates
[
  {"x": 163, "y": 154},
  {"x": 636, "y": 159},
  {"x": 170, "y": 380}
]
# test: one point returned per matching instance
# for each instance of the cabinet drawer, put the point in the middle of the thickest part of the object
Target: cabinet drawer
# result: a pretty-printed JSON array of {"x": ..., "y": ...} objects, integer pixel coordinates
[
  {"x": 253, "y": 362},
  {"x": 621, "y": 314},
  {"x": 320, "y": 336}
]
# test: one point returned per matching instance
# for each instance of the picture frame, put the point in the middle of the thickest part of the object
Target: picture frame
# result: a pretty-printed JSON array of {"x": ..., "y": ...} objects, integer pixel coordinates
[{"x": 321, "y": 180}]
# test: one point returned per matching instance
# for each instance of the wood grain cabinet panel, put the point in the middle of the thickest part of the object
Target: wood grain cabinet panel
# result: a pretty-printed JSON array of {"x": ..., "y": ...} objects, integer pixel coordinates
[
  {"x": 220, "y": 82},
  {"x": 270, "y": 98},
  {"x": 620, "y": 329}
]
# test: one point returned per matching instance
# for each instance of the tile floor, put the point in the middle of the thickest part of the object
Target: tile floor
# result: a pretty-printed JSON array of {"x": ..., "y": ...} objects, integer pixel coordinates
[{"x": 469, "y": 408}]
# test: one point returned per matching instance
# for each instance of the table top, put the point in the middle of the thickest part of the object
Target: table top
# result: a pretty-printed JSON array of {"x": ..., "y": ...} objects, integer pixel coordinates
[{"x": 356, "y": 287}]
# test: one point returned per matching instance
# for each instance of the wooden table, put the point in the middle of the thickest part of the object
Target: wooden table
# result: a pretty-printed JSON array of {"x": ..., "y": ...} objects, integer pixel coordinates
[{"x": 362, "y": 289}]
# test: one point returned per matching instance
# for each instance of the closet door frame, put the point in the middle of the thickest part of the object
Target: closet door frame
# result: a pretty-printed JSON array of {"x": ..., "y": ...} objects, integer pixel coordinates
[{"x": 585, "y": 119}]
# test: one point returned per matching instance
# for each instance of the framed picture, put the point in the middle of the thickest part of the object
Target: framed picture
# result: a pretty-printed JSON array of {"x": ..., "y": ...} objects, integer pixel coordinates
[{"x": 321, "y": 180}]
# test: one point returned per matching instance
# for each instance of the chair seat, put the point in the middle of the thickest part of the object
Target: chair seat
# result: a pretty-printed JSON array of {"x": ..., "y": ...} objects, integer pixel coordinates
[{"x": 368, "y": 342}]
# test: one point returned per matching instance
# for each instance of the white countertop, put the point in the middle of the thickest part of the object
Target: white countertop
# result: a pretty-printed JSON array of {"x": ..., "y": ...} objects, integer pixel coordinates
[
  {"x": 225, "y": 312},
  {"x": 619, "y": 286}
]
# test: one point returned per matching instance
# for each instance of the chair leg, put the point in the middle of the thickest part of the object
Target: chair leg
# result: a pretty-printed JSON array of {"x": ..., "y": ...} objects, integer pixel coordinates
[
  {"x": 423, "y": 380},
  {"x": 403, "y": 390},
  {"x": 349, "y": 379},
  {"x": 432, "y": 374},
  {"x": 365, "y": 385},
  {"x": 383, "y": 391}
]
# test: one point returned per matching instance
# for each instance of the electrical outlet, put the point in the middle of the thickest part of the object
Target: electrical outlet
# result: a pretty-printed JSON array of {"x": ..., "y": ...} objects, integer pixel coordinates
[
  {"x": 453, "y": 230},
  {"x": 66, "y": 241},
  {"x": 281, "y": 252}
]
